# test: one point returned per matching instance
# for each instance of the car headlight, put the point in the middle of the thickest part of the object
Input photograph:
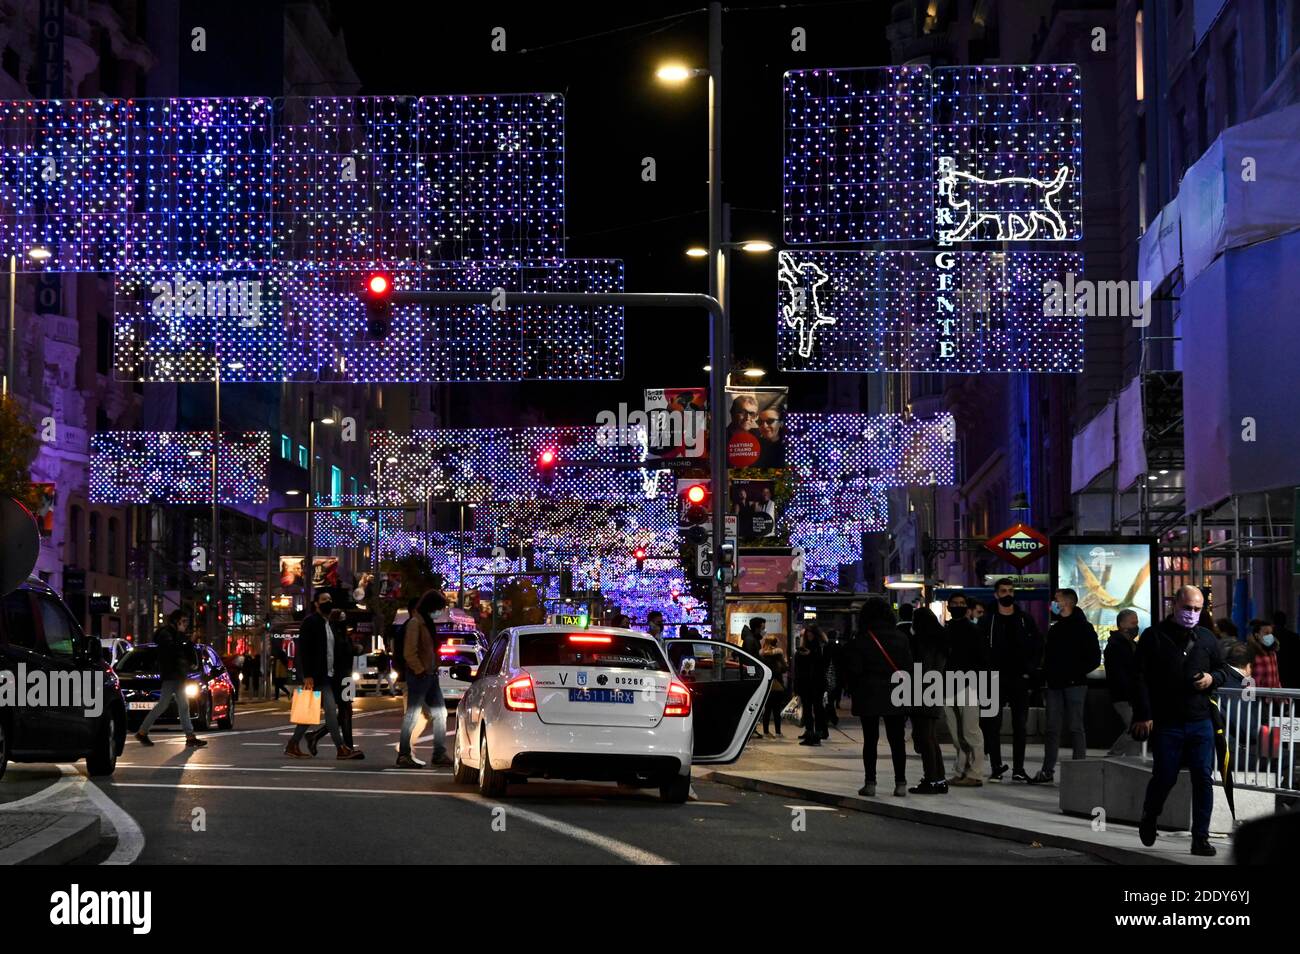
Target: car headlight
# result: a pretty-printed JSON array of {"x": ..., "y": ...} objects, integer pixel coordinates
[
  {"x": 356, "y": 676},
  {"x": 191, "y": 690}
]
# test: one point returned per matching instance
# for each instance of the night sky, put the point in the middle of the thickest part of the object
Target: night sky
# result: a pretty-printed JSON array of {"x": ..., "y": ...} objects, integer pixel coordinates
[{"x": 617, "y": 113}]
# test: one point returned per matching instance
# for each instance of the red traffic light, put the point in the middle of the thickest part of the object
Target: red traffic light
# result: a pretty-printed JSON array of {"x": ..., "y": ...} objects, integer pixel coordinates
[
  {"x": 639, "y": 554},
  {"x": 379, "y": 284},
  {"x": 696, "y": 493}
]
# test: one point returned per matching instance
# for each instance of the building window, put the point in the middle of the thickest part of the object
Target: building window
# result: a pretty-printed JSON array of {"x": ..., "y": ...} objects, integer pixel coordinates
[
  {"x": 336, "y": 485},
  {"x": 1231, "y": 81},
  {"x": 1137, "y": 56},
  {"x": 112, "y": 546},
  {"x": 1202, "y": 117},
  {"x": 72, "y": 544},
  {"x": 302, "y": 456},
  {"x": 92, "y": 541},
  {"x": 103, "y": 344},
  {"x": 286, "y": 447}
]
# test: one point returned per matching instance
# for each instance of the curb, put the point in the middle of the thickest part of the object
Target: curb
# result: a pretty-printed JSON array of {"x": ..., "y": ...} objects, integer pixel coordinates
[
  {"x": 67, "y": 838},
  {"x": 974, "y": 826}
]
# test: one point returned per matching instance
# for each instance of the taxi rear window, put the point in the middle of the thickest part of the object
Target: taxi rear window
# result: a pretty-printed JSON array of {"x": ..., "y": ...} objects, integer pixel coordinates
[{"x": 594, "y": 650}]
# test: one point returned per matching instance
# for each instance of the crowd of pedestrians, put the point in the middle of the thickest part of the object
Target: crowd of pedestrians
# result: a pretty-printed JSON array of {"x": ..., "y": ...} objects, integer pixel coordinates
[{"x": 1161, "y": 684}]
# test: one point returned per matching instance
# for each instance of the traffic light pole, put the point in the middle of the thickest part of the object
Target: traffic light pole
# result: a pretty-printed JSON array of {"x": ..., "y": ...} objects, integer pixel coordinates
[{"x": 717, "y": 376}]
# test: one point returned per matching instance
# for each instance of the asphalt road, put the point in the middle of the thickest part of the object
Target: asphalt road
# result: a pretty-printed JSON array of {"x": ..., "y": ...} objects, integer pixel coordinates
[{"x": 241, "y": 801}]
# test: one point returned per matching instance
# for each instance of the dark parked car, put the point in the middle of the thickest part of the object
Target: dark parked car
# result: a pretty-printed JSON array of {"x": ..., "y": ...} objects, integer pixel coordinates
[
  {"x": 210, "y": 691},
  {"x": 40, "y": 635}
]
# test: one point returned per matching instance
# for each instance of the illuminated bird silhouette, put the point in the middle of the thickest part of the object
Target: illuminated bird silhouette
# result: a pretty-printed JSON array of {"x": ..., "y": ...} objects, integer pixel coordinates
[{"x": 1097, "y": 598}]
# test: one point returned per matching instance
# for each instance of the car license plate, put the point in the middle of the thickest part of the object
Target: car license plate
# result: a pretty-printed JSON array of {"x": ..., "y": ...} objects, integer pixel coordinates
[
  {"x": 601, "y": 695},
  {"x": 139, "y": 705}
]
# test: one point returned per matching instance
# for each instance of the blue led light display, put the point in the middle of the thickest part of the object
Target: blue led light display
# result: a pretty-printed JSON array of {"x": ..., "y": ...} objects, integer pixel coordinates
[
  {"x": 912, "y": 311},
  {"x": 312, "y": 325},
  {"x": 239, "y": 183},
  {"x": 953, "y": 154},
  {"x": 857, "y": 155},
  {"x": 175, "y": 467}
]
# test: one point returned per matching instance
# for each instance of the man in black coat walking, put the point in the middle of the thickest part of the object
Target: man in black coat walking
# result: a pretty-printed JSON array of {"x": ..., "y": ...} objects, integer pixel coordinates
[
  {"x": 1071, "y": 652},
  {"x": 318, "y": 663},
  {"x": 1120, "y": 650},
  {"x": 1178, "y": 668},
  {"x": 175, "y": 662},
  {"x": 1015, "y": 655}
]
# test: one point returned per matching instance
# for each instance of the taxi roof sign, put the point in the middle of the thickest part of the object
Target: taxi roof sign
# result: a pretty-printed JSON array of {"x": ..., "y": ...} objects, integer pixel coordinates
[{"x": 1019, "y": 545}]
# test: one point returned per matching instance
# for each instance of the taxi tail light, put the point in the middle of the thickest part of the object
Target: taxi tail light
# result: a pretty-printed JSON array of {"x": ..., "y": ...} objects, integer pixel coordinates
[
  {"x": 678, "y": 702},
  {"x": 519, "y": 696},
  {"x": 602, "y": 640}
]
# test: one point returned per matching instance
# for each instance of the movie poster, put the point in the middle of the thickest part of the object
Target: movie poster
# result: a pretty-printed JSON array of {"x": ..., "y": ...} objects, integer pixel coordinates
[
  {"x": 677, "y": 423},
  {"x": 1110, "y": 574},
  {"x": 753, "y": 504},
  {"x": 756, "y": 427}
]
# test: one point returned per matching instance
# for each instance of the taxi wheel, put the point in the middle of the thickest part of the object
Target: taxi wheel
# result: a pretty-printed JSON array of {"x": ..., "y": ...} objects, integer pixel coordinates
[
  {"x": 676, "y": 789},
  {"x": 461, "y": 773},
  {"x": 491, "y": 783}
]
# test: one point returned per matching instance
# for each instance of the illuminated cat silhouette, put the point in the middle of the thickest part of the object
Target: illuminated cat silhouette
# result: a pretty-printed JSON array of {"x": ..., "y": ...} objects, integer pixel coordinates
[
  {"x": 804, "y": 310},
  {"x": 968, "y": 193}
]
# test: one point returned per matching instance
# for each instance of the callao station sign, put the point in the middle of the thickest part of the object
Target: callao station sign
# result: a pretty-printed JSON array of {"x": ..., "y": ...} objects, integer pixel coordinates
[{"x": 1019, "y": 545}]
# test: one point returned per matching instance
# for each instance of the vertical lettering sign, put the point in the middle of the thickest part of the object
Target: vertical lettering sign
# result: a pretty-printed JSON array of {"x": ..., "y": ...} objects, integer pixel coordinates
[{"x": 49, "y": 85}]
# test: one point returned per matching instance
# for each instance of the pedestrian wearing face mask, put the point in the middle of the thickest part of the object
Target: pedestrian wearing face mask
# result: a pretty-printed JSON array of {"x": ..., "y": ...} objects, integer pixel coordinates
[
  {"x": 1264, "y": 655},
  {"x": 1177, "y": 670},
  {"x": 1015, "y": 656},
  {"x": 1120, "y": 650}
]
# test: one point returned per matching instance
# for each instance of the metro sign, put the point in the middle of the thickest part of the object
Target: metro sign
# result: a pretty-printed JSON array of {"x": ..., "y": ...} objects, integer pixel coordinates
[{"x": 1019, "y": 545}]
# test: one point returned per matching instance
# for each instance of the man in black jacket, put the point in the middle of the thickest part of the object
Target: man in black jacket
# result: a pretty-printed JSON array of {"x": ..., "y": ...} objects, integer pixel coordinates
[
  {"x": 1120, "y": 649},
  {"x": 341, "y": 684},
  {"x": 1177, "y": 669},
  {"x": 175, "y": 662},
  {"x": 317, "y": 661},
  {"x": 1015, "y": 655},
  {"x": 1071, "y": 652},
  {"x": 967, "y": 667}
]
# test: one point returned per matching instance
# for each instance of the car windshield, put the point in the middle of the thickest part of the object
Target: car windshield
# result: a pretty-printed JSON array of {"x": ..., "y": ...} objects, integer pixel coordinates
[
  {"x": 144, "y": 659},
  {"x": 596, "y": 650},
  {"x": 379, "y": 660}
]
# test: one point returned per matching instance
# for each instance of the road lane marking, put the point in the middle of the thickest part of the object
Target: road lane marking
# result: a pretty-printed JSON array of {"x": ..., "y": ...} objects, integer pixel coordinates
[
  {"x": 70, "y": 791},
  {"x": 287, "y": 788},
  {"x": 613, "y": 846},
  {"x": 619, "y": 849}
]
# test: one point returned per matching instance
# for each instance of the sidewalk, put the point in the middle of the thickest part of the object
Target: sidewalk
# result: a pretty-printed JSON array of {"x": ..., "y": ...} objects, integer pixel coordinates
[
  {"x": 1030, "y": 814},
  {"x": 45, "y": 838}
]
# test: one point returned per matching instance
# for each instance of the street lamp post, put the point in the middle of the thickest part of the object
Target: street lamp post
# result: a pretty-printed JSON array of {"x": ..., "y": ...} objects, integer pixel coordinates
[{"x": 218, "y": 618}]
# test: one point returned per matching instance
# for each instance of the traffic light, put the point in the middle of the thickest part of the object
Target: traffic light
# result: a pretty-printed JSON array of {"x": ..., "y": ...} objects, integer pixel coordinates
[
  {"x": 546, "y": 461},
  {"x": 726, "y": 571},
  {"x": 378, "y": 297},
  {"x": 639, "y": 555},
  {"x": 694, "y": 509}
]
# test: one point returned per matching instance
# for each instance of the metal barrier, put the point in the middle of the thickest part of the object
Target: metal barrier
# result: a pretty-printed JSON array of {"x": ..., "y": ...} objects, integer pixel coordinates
[{"x": 1260, "y": 727}]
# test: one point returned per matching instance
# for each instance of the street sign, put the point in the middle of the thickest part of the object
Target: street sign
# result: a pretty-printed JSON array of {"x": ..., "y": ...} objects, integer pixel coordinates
[
  {"x": 1019, "y": 579},
  {"x": 1019, "y": 545},
  {"x": 704, "y": 560}
]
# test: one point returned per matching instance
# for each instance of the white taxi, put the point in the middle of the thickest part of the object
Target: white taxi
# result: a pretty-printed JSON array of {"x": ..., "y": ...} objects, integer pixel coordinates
[{"x": 604, "y": 704}]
